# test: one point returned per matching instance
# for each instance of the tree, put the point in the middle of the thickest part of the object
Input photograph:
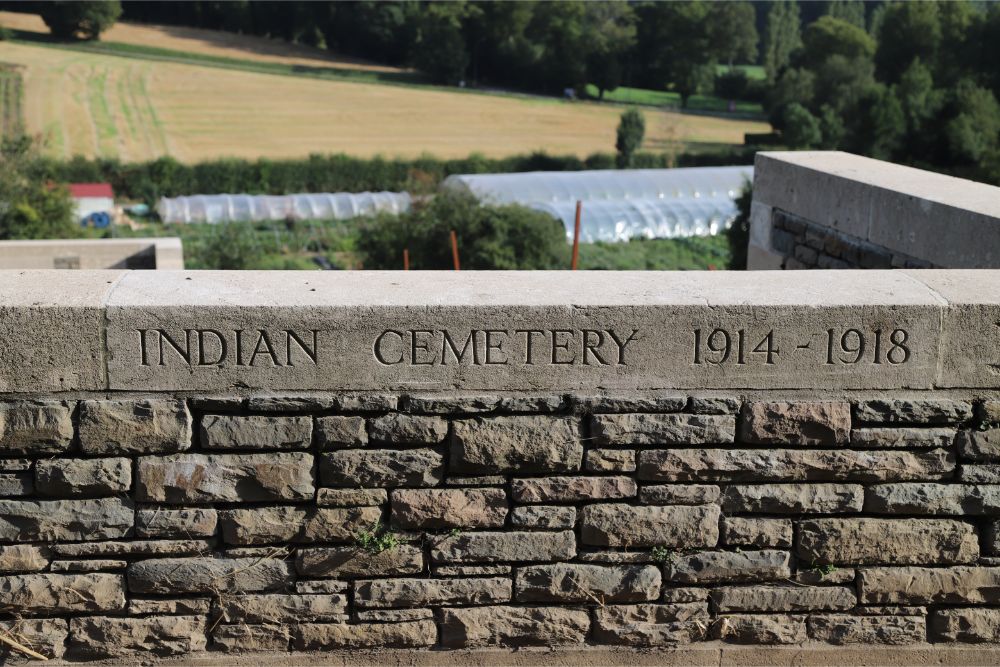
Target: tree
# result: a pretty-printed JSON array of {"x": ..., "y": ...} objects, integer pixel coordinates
[
  {"x": 973, "y": 134},
  {"x": 611, "y": 37},
  {"x": 673, "y": 43},
  {"x": 908, "y": 30},
  {"x": 829, "y": 36},
  {"x": 631, "y": 129},
  {"x": 80, "y": 20},
  {"x": 782, "y": 37},
  {"x": 32, "y": 207},
  {"x": 440, "y": 49},
  {"x": 733, "y": 32},
  {"x": 801, "y": 128},
  {"x": 852, "y": 11}
]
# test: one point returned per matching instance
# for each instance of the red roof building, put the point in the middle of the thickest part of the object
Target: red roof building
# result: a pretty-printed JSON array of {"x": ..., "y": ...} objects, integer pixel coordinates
[{"x": 87, "y": 190}]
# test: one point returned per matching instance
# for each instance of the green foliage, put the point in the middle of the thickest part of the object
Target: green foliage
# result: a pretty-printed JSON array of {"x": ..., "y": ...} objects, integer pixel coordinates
[
  {"x": 801, "y": 129},
  {"x": 682, "y": 254},
  {"x": 908, "y": 30},
  {"x": 733, "y": 31},
  {"x": 823, "y": 569},
  {"x": 686, "y": 61},
  {"x": 631, "y": 129},
  {"x": 489, "y": 237},
  {"x": 829, "y": 36},
  {"x": 377, "y": 540},
  {"x": 440, "y": 49},
  {"x": 782, "y": 36},
  {"x": 663, "y": 555},
  {"x": 851, "y": 11},
  {"x": 739, "y": 232},
  {"x": 231, "y": 247},
  {"x": 80, "y": 19},
  {"x": 31, "y": 207},
  {"x": 973, "y": 134}
]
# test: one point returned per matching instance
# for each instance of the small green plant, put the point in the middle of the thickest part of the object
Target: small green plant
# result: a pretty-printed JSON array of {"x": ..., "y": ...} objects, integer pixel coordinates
[
  {"x": 823, "y": 569},
  {"x": 377, "y": 540},
  {"x": 664, "y": 555},
  {"x": 454, "y": 532}
]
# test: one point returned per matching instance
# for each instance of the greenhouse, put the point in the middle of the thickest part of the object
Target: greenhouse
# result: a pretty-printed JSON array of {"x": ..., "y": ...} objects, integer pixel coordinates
[
  {"x": 255, "y": 208},
  {"x": 618, "y": 205}
]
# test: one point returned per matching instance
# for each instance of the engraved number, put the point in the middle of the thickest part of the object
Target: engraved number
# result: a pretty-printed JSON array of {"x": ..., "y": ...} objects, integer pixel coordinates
[
  {"x": 718, "y": 347},
  {"x": 853, "y": 345}
]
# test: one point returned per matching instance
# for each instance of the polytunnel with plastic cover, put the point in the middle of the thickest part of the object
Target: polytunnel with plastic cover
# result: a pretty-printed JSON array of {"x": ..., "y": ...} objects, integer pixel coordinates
[
  {"x": 253, "y": 208},
  {"x": 620, "y": 204}
]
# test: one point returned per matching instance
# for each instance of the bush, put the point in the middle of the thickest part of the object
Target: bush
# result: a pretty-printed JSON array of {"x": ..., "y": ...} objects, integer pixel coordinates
[
  {"x": 83, "y": 19},
  {"x": 732, "y": 85},
  {"x": 631, "y": 129},
  {"x": 31, "y": 207},
  {"x": 739, "y": 232},
  {"x": 800, "y": 128},
  {"x": 489, "y": 237}
]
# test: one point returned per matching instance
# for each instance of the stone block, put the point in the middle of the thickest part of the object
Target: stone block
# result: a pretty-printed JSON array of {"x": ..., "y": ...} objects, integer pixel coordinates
[
  {"x": 560, "y": 489},
  {"x": 785, "y": 598},
  {"x": 902, "y": 437},
  {"x": 815, "y": 423},
  {"x": 968, "y": 625},
  {"x": 104, "y": 565},
  {"x": 320, "y": 587},
  {"x": 543, "y": 517},
  {"x": 205, "y": 478},
  {"x": 327, "y": 636},
  {"x": 841, "y": 629},
  {"x": 794, "y": 498},
  {"x": 480, "y": 627},
  {"x": 402, "y": 429},
  {"x": 35, "y": 427},
  {"x": 979, "y": 446},
  {"x": 715, "y": 405},
  {"x": 762, "y": 629},
  {"x": 632, "y": 402},
  {"x": 276, "y": 524},
  {"x": 754, "y": 532},
  {"x": 866, "y": 541},
  {"x": 394, "y": 615},
  {"x": 522, "y": 402},
  {"x": 450, "y": 404},
  {"x": 789, "y": 465},
  {"x": 980, "y": 474},
  {"x": 477, "y": 480},
  {"x": 679, "y": 494},
  {"x": 351, "y": 497},
  {"x": 494, "y": 547},
  {"x": 107, "y": 637},
  {"x": 471, "y": 570},
  {"x": 282, "y": 608},
  {"x": 144, "y": 426},
  {"x": 46, "y": 636},
  {"x": 16, "y": 484},
  {"x": 933, "y": 499},
  {"x": 913, "y": 411},
  {"x": 522, "y": 444},
  {"x": 587, "y": 584},
  {"x": 662, "y": 429},
  {"x": 610, "y": 460},
  {"x": 170, "y": 523},
  {"x": 649, "y": 625},
  {"x": 929, "y": 585},
  {"x": 436, "y": 509},
  {"x": 51, "y": 520},
  {"x": 381, "y": 468},
  {"x": 83, "y": 477},
  {"x": 208, "y": 575},
  {"x": 355, "y": 562},
  {"x": 47, "y": 594},
  {"x": 251, "y": 638},
  {"x": 255, "y": 432},
  {"x": 340, "y": 431},
  {"x": 389, "y": 593},
  {"x": 16, "y": 558},
  {"x": 168, "y": 607},
  {"x": 132, "y": 548},
  {"x": 620, "y": 525},
  {"x": 723, "y": 566}
]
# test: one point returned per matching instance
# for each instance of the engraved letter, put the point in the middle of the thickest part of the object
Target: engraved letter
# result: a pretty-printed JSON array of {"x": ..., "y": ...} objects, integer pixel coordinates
[
  {"x": 377, "y": 348},
  {"x": 498, "y": 346},
  {"x": 527, "y": 339},
  {"x": 185, "y": 354},
  {"x": 290, "y": 336},
  {"x": 202, "y": 361},
  {"x": 421, "y": 346},
  {"x": 621, "y": 345},
  {"x": 591, "y": 346},
  {"x": 142, "y": 347},
  {"x": 556, "y": 345},
  {"x": 268, "y": 349},
  {"x": 459, "y": 356}
]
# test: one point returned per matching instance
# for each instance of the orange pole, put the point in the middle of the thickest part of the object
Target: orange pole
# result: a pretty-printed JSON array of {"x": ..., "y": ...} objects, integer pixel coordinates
[
  {"x": 576, "y": 235},
  {"x": 454, "y": 248},
  {"x": 406, "y": 259}
]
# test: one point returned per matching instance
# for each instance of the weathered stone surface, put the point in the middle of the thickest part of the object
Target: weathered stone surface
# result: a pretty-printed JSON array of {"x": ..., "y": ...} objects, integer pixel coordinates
[
  {"x": 572, "y": 489},
  {"x": 929, "y": 585},
  {"x": 365, "y": 401},
  {"x": 902, "y": 437},
  {"x": 847, "y": 629},
  {"x": 269, "y": 525},
  {"x": 351, "y": 497},
  {"x": 394, "y": 615},
  {"x": 104, "y": 637},
  {"x": 620, "y": 525},
  {"x": 478, "y": 627},
  {"x": 544, "y": 517},
  {"x": 244, "y": 637},
  {"x": 662, "y": 429},
  {"x": 320, "y": 587},
  {"x": 685, "y": 594},
  {"x": 818, "y": 575},
  {"x": 104, "y": 565},
  {"x": 325, "y": 636},
  {"x": 718, "y": 566},
  {"x": 866, "y": 541},
  {"x": 388, "y": 593},
  {"x": 762, "y": 629},
  {"x": 480, "y": 480},
  {"x": 913, "y": 411},
  {"x": 354, "y": 562},
  {"x": 283, "y": 608},
  {"x": 35, "y": 427},
  {"x": 16, "y": 465},
  {"x": 83, "y": 477},
  {"x": 533, "y": 403},
  {"x": 980, "y": 474},
  {"x": 634, "y": 402},
  {"x": 991, "y": 540},
  {"x": 336, "y": 432},
  {"x": 409, "y": 429},
  {"x": 891, "y": 610},
  {"x": 16, "y": 484},
  {"x": 796, "y": 423},
  {"x": 61, "y": 593},
  {"x": 208, "y": 575},
  {"x": 776, "y": 597},
  {"x": 610, "y": 460},
  {"x": 571, "y": 582},
  {"x": 715, "y": 405},
  {"x": 50, "y": 520},
  {"x": 450, "y": 404},
  {"x": 134, "y": 427},
  {"x": 679, "y": 494},
  {"x": 381, "y": 468},
  {"x": 169, "y": 523},
  {"x": 530, "y": 444},
  {"x": 471, "y": 570},
  {"x": 931, "y": 499},
  {"x": 991, "y": 412},
  {"x": 746, "y": 532},
  {"x": 492, "y": 547},
  {"x": 291, "y": 402},
  {"x": 261, "y": 432},
  {"x": 778, "y": 465},
  {"x": 435, "y": 509},
  {"x": 643, "y": 625},
  {"x": 16, "y": 558},
  {"x": 172, "y": 607},
  {"x": 132, "y": 548},
  {"x": 794, "y": 498},
  {"x": 980, "y": 446},
  {"x": 46, "y": 636},
  {"x": 972, "y": 625},
  {"x": 618, "y": 557},
  {"x": 204, "y": 478}
]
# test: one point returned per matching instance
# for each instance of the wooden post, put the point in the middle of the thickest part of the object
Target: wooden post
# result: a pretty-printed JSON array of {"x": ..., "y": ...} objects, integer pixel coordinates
[
  {"x": 454, "y": 248},
  {"x": 576, "y": 235},
  {"x": 406, "y": 259}
]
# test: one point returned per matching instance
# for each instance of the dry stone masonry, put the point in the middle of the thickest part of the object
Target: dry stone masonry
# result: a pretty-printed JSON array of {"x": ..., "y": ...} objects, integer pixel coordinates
[{"x": 778, "y": 504}]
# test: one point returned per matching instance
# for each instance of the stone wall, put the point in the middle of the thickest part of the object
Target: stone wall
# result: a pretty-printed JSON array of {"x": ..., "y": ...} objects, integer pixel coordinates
[{"x": 87, "y": 254}]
